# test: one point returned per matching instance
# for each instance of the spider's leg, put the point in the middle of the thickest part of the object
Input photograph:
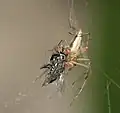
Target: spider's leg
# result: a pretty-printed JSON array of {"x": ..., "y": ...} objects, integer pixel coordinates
[
  {"x": 80, "y": 64},
  {"x": 84, "y": 34},
  {"x": 70, "y": 32},
  {"x": 80, "y": 90},
  {"x": 59, "y": 44},
  {"x": 70, "y": 19},
  {"x": 86, "y": 75},
  {"x": 66, "y": 43},
  {"x": 86, "y": 38},
  {"x": 73, "y": 83},
  {"x": 87, "y": 34},
  {"x": 63, "y": 41},
  {"x": 83, "y": 59},
  {"x": 54, "y": 48},
  {"x": 86, "y": 61},
  {"x": 82, "y": 87}
]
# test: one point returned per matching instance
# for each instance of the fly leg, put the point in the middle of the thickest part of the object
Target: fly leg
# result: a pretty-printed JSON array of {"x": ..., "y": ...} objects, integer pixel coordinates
[{"x": 48, "y": 66}]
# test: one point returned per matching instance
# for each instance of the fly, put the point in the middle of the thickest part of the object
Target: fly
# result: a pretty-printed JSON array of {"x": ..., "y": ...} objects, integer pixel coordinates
[{"x": 54, "y": 71}]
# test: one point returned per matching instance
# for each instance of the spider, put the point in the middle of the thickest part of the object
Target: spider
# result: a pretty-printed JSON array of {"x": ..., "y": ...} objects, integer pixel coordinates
[
  {"x": 76, "y": 53},
  {"x": 66, "y": 56}
]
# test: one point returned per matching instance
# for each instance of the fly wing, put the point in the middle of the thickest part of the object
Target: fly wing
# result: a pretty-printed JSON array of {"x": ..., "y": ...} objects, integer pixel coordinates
[
  {"x": 61, "y": 84},
  {"x": 50, "y": 78},
  {"x": 53, "y": 74},
  {"x": 40, "y": 76}
]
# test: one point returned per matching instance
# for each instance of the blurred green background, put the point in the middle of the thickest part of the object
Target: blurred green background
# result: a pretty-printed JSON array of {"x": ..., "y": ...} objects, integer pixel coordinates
[
  {"x": 102, "y": 19},
  {"x": 105, "y": 31}
]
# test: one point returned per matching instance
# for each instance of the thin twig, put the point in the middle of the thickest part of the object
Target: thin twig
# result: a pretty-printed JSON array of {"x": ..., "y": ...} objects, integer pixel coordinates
[
  {"x": 112, "y": 81},
  {"x": 108, "y": 96}
]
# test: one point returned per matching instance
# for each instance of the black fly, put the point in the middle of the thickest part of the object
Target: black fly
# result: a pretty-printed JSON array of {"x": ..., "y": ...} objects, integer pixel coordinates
[{"x": 55, "y": 68}]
